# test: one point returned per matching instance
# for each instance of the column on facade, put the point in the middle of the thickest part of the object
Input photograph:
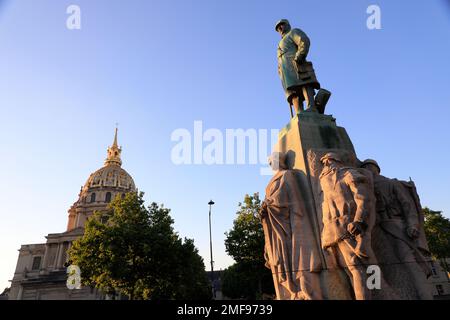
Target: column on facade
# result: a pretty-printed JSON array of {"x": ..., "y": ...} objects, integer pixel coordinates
[
  {"x": 45, "y": 260},
  {"x": 58, "y": 256}
]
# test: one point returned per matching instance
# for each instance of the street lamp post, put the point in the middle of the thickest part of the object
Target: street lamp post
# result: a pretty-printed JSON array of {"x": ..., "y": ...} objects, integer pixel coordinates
[{"x": 210, "y": 249}]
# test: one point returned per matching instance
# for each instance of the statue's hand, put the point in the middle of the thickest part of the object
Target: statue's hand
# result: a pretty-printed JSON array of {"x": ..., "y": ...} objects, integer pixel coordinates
[
  {"x": 299, "y": 59},
  {"x": 412, "y": 232},
  {"x": 263, "y": 210},
  {"x": 356, "y": 227},
  {"x": 264, "y": 204},
  {"x": 300, "y": 296}
]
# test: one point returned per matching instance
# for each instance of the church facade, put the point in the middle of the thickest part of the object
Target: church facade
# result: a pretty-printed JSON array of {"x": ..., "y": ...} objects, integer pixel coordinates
[{"x": 41, "y": 270}]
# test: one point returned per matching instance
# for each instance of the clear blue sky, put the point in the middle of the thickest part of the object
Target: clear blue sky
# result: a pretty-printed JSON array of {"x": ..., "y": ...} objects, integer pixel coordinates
[{"x": 155, "y": 66}]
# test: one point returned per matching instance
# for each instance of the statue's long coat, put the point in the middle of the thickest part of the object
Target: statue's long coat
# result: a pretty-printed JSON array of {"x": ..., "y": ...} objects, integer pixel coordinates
[
  {"x": 347, "y": 197},
  {"x": 397, "y": 209},
  {"x": 293, "y": 43}
]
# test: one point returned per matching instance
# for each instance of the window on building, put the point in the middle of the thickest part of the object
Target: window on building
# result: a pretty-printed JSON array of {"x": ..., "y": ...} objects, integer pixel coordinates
[
  {"x": 433, "y": 270},
  {"x": 108, "y": 197},
  {"x": 65, "y": 256},
  {"x": 93, "y": 197},
  {"x": 36, "y": 263},
  {"x": 440, "y": 289}
]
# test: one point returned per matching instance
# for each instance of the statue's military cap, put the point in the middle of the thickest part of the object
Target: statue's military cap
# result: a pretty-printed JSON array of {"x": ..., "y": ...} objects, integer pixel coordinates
[
  {"x": 331, "y": 155},
  {"x": 281, "y": 22},
  {"x": 371, "y": 161}
]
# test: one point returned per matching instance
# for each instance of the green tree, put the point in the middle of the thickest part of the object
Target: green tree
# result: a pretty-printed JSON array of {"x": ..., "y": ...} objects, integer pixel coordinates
[
  {"x": 135, "y": 251},
  {"x": 248, "y": 277},
  {"x": 437, "y": 231}
]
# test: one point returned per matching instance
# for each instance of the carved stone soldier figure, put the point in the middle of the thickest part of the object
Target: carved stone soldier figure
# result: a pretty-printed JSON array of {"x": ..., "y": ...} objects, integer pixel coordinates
[
  {"x": 297, "y": 74},
  {"x": 348, "y": 217},
  {"x": 399, "y": 238},
  {"x": 291, "y": 250}
]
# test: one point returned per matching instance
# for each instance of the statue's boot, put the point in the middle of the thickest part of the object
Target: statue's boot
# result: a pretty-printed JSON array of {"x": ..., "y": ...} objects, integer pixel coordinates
[{"x": 321, "y": 100}]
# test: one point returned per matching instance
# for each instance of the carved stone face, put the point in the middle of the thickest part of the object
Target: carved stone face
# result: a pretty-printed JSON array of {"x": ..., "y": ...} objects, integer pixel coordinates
[
  {"x": 327, "y": 162},
  {"x": 277, "y": 161},
  {"x": 274, "y": 164},
  {"x": 331, "y": 163}
]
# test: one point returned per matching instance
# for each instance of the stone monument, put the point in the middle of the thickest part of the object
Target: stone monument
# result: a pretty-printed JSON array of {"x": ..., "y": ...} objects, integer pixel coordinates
[
  {"x": 324, "y": 226},
  {"x": 399, "y": 237},
  {"x": 291, "y": 250}
]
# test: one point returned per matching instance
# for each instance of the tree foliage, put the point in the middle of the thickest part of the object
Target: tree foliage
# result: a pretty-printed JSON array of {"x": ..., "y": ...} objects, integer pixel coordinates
[
  {"x": 134, "y": 250},
  {"x": 248, "y": 277},
  {"x": 437, "y": 231}
]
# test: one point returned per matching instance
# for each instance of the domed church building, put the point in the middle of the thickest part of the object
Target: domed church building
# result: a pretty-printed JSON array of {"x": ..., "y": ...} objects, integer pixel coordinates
[{"x": 41, "y": 271}]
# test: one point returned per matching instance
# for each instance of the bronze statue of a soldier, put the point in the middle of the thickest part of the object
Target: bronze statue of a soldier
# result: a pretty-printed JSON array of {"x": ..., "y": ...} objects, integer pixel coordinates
[{"x": 297, "y": 74}]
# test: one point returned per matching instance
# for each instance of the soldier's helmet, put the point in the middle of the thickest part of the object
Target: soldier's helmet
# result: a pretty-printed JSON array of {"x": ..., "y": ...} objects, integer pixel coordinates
[
  {"x": 371, "y": 161},
  {"x": 331, "y": 155},
  {"x": 285, "y": 21}
]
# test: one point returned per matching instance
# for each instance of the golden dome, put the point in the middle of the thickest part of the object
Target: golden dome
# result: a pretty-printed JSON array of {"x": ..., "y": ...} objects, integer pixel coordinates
[
  {"x": 101, "y": 188},
  {"x": 109, "y": 176}
]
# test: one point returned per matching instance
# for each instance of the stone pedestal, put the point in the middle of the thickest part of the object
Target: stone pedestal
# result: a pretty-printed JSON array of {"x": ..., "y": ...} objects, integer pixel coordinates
[{"x": 305, "y": 140}]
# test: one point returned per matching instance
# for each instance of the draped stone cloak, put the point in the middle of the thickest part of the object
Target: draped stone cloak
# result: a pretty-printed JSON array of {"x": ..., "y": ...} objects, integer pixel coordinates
[{"x": 290, "y": 246}]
